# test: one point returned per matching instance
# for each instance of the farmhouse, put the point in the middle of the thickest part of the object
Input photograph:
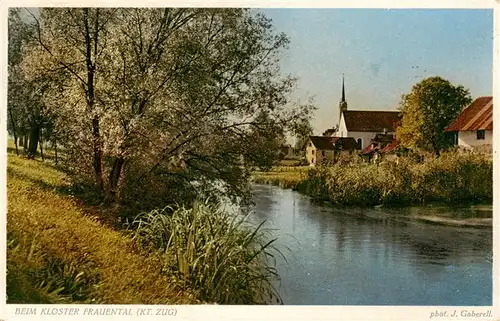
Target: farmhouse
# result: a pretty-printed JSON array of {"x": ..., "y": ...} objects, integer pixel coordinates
[
  {"x": 473, "y": 127},
  {"x": 321, "y": 150}
]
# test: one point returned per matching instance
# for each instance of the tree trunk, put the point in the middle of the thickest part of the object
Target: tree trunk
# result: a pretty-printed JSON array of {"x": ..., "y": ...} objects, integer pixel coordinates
[
  {"x": 114, "y": 177},
  {"x": 97, "y": 153},
  {"x": 14, "y": 129},
  {"x": 41, "y": 148},
  {"x": 91, "y": 97},
  {"x": 33, "y": 142},
  {"x": 25, "y": 142},
  {"x": 21, "y": 140},
  {"x": 55, "y": 149}
]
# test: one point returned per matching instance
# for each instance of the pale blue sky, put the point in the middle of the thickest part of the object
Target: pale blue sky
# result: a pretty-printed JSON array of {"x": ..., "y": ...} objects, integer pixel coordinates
[{"x": 382, "y": 53}]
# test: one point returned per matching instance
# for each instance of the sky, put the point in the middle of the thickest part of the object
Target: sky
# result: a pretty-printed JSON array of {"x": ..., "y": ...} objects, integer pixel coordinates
[{"x": 382, "y": 54}]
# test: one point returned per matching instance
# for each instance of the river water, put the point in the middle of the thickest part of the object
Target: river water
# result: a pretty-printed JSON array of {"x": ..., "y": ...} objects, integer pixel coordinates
[{"x": 354, "y": 256}]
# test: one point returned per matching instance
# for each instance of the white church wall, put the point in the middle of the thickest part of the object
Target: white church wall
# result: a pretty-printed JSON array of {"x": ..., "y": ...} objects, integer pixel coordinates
[{"x": 366, "y": 137}]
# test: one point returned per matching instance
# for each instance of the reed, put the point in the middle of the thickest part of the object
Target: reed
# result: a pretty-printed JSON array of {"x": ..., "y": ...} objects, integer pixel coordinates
[
  {"x": 453, "y": 177},
  {"x": 219, "y": 254}
]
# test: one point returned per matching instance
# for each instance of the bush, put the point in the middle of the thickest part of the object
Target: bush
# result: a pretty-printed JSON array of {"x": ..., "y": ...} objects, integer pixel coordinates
[{"x": 220, "y": 255}]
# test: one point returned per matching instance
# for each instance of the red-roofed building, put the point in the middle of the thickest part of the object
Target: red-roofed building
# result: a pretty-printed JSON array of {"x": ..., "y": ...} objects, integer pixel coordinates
[
  {"x": 363, "y": 125},
  {"x": 390, "y": 147},
  {"x": 321, "y": 150},
  {"x": 381, "y": 144},
  {"x": 474, "y": 126}
]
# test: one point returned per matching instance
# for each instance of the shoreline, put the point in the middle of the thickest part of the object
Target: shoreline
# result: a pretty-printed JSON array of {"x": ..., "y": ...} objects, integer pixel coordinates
[
  {"x": 473, "y": 222},
  {"x": 478, "y": 223}
]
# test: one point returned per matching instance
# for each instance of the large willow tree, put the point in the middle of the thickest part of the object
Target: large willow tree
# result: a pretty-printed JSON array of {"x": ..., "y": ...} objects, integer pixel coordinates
[{"x": 164, "y": 104}]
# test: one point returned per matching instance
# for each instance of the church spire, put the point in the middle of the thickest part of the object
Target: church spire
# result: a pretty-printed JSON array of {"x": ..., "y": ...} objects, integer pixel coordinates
[
  {"x": 343, "y": 90},
  {"x": 342, "y": 104}
]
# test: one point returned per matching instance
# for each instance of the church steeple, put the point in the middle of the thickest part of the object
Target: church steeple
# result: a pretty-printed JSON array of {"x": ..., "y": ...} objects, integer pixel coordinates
[
  {"x": 343, "y": 102},
  {"x": 343, "y": 90}
]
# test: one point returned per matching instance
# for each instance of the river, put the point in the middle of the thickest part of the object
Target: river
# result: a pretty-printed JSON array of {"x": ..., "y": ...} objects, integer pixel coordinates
[{"x": 354, "y": 256}]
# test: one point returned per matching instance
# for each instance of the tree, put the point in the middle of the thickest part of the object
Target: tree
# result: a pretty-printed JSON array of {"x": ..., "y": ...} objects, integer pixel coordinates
[
  {"x": 303, "y": 132},
  {"x": 427, "y": 110},
  {"x": 175, "y": 102},
  {"x": 18, "y": 35},
  {"x": 28, "y": 115},
  {"x": 69, "y": 43}
]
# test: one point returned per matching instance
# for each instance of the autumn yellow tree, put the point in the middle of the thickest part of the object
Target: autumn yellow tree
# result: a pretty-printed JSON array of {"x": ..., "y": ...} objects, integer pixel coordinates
[{"x": 427, "y": 110}]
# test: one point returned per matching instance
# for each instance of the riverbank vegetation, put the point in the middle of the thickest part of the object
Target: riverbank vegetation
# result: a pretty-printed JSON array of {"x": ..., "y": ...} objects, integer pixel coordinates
[
  {"x": 61, "y": 251},
  {"x": 145, "y": 108},
  {"x": 453, "y": 177}
]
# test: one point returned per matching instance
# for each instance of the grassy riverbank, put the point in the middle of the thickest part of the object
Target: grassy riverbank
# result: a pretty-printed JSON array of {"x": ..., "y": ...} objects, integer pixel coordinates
[
  {"x": 63, "y": 251},
  {"x": 451, "y": 178},
  {"x": 58, "y": 253}
]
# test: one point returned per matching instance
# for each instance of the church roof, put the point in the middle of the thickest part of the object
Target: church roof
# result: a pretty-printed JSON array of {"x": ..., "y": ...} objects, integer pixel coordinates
[
  {"x": 370, "y": 121},
  {"x": 478, "y": 115}
]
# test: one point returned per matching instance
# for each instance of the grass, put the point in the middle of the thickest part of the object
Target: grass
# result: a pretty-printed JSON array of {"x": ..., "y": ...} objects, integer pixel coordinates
[
  {"x": 290, "y": 162},
  {"x": 61, "y": 250},
  {"x": 58, "y": 253},
  {"x": 282, "y": 176}
]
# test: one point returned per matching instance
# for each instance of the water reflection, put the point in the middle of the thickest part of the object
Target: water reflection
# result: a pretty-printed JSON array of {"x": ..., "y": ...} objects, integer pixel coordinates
[{"x": 366, "y": 256}]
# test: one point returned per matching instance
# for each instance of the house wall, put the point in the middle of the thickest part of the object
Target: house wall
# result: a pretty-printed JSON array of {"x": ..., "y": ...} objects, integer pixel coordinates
[
  {"x": 342, "y": 127},
  {"x": 366, "y": 137},
  {"x": 468, "y": 139},
  {"x": 316, "y": 156},
  {"x": 324, "y": 156}
]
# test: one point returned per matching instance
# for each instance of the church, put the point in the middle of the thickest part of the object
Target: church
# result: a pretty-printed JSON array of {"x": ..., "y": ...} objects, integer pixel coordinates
[{"x": 363, "y": 125}]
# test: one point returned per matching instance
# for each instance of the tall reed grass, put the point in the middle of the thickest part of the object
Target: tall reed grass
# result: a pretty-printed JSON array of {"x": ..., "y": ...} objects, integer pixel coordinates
[
  {"x": 413, "y": 179},
  {"x": 218, "y": 254},
  {"x": 451, "y": 178},
  {"x": 34, "y": 275}
]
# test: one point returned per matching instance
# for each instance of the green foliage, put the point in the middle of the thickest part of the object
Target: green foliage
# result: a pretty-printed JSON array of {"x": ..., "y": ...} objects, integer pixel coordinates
[
  {"x": 220, "y": 255},
  {"x": 171, "y": 96},
  {"x": 411, "y": 179},
  {"x": 27, "y": 113},
  {"x": 427, "y": 110},
  {"x": 34, "y": 276}
]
